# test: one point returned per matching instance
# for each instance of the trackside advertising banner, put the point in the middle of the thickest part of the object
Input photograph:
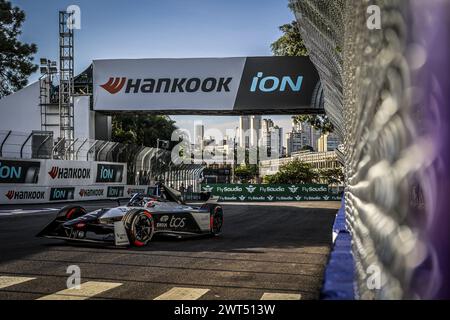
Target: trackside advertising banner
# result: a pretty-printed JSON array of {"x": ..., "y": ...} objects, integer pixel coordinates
[
  {"x": 219, "y": 85},
  {"x": 18, "y": 194},
  {"x": 270, "y": 192},
  {"x": 71, "y": 173},
  {"x": 41, "y": 181},
  {"x": 19, "y": 171}
]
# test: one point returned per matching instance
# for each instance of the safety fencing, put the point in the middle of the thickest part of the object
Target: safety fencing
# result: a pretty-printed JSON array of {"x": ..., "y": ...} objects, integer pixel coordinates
[
  {"x": 145, "y": 165},
  {"x": 386, "y": 92},
  {"x": 271, "y": 192}
]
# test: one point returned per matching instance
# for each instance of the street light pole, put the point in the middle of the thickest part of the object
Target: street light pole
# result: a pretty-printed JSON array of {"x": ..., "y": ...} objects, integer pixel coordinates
[{"x": 234, "y": 154}]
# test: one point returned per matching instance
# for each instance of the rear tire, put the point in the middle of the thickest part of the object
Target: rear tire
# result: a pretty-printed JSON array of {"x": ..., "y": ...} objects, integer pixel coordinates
[{"x": 141, "y": 228}]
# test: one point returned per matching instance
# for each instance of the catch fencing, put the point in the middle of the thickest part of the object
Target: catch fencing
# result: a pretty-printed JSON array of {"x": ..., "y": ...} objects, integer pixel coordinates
[
  {"x": 145, "y": 165},
  {"x": 375, "y": 97}
]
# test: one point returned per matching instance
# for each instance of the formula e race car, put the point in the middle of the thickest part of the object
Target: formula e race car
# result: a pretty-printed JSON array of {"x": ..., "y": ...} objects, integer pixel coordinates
[{"x": 136, "y": 223}]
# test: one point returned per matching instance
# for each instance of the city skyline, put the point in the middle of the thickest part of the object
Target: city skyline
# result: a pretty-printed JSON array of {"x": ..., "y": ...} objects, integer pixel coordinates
[{"x": 301, "y": 134}]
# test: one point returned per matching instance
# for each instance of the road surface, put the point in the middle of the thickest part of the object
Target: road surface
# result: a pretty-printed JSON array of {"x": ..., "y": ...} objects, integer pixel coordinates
[{"x": 266, "y": 251}]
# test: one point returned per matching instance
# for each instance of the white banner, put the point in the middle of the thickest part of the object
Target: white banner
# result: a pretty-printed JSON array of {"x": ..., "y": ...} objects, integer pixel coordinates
[
  {"x": 130, "y": 190},
  {"x": 23, "y": 194},
  {"x": 45, "y": 173},
  {"x": 66, "y": 173},
  {"x": 169, "y": 84},
  {"x": 20, "y": 194}
]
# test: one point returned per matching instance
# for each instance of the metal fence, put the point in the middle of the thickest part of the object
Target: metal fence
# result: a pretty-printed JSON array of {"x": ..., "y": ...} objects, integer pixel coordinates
[
  {"x": 145, "y": 165},
  {"x": 391, "y": 163}
]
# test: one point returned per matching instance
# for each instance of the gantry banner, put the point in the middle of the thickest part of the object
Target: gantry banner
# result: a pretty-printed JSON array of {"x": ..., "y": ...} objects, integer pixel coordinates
[{"x": 267, "y": 85}]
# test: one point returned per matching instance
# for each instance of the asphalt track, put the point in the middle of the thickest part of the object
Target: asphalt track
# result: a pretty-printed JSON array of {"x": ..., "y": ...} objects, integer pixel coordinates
[{"x": 266, "y": 251}]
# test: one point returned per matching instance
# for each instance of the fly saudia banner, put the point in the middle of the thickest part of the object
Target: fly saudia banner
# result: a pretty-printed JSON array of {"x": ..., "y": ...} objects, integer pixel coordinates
[
  {"x": 271, "y": 192},
  {"x": 218, "y": 85}
]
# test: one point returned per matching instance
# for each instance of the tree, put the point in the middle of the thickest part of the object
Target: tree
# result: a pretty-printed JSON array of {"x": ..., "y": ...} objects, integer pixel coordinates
[
  {"x": 320, "y": 122},
  {"x": 332, "y": 175},
  {"x": 292, "y": 44},
  {"x": 16, "y": 58},
  {"x": 293, "y": 172},
  {"x": 142, "y": 130},
  {"x": 245, "y": 173},
  {"x": 307, "y": 148}
]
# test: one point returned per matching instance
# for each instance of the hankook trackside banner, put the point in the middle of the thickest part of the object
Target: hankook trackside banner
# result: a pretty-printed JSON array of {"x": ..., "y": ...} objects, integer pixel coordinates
[{"x": 218, "y": 85}]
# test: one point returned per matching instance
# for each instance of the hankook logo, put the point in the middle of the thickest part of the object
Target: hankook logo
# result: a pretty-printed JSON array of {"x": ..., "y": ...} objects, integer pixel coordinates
[
  {"x": 167, "y": 85},
  {"x": 91, "y": 192},
  {"x": 114, "y": 85},
  {"x": 25, "y": 195},
  {"x": 70, "y": 173}
]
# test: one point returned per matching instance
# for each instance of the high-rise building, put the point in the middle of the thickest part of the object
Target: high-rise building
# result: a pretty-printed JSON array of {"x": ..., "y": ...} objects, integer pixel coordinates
[
  {"x": 322, "y": 143},
  {"x": 199, "y": 135},
  {"x": 310, "y": 136},
  {"x": 249, "y": 131},
  {"x": 293, "y": 142},
  {"x": 328, "y": 142},
  {"x": 302, "y": 134},
  {"x": 333, "y": 142},
  {"x": 272, "y": 137}
]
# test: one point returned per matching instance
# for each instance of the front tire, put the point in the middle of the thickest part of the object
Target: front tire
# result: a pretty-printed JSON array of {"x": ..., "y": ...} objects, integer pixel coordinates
[
  {"x": 70, "y": 212},
  {"x": 141, "y": 228}
]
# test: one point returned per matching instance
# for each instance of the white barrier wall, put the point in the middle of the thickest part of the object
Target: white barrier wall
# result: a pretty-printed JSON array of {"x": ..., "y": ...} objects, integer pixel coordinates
[{"x": 42, "y": 181}]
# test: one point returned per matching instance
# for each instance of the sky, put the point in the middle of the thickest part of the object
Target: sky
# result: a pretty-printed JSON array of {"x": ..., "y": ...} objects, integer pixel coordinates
[{"x": 161, "y": 29}]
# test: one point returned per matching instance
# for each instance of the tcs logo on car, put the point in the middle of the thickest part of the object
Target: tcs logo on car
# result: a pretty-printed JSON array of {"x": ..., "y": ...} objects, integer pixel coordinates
[{"x": 177, "y": 222}]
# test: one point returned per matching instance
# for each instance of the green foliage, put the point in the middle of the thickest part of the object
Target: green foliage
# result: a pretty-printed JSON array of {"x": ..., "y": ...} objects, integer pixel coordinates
[
  {"x": 245, "y": 173},
  {"x": 318, "y": 121},
  {"x": 142, "y": 130},
  {"x": 290, "y": 43},
  {"x": 293, "y": 172},
  {"x": 15, "y": 57},
  {"x": 297, "y": 171},
  {"x": 307, "y": 148},
  {"x": 332, "y": 176}
]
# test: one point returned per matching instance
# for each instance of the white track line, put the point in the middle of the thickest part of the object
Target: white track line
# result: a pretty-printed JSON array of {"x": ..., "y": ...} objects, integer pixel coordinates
[
  {"x": 86, "y": 291},
  {"x": 11, "y": 281},
  {"x": 25, "y": 211},
  {"x": 281, "y": 296},
  {"x": 178, "y": 293}
]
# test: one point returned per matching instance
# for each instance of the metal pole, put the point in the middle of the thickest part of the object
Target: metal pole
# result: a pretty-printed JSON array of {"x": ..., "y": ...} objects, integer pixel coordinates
[
  {"x": 90, "y": 149},
  {"x": 56, "y": 146},
  {"x": 42, "y": 143},
  {"x": 70, "y": 146},
  {"x": 23, "y": 145},
  {"x": 101, "y": 149},
  {"x": 79, "y": 148},
  {"x": 3, "y": 142}
]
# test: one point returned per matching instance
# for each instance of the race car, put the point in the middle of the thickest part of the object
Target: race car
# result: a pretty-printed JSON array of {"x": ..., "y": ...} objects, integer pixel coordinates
[{"x": 136, "y": 223}]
